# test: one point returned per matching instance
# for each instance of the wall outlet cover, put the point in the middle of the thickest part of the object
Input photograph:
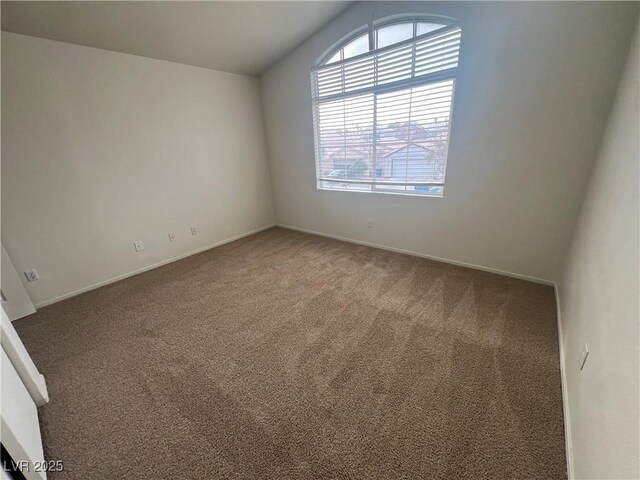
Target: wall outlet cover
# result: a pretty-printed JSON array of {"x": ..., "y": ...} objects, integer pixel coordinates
[
  {"x": 31, "y": 275},
  {"x": 139, "y": 246},
  {"x": 172, "y": 237},
  {"x": 194, "y": 231}
]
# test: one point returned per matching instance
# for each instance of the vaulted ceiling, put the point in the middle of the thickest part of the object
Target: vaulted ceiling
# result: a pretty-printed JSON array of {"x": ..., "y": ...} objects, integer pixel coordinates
[{"x": 238, "y": 37}]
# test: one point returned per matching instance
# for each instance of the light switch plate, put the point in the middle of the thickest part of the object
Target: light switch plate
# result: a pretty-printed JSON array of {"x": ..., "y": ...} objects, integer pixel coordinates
[{"x": 584, "y": 353}]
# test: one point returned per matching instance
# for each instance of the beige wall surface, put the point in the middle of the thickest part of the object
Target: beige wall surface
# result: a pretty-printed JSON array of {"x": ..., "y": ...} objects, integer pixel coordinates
[
  {"x": 599, "y": 300},
  {"x": 535, "y": 85},
  {"x": 101, "y": 149}
]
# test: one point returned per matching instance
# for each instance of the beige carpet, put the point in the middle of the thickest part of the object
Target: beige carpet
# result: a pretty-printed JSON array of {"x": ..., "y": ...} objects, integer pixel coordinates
[{"x": 286, "y": 355}]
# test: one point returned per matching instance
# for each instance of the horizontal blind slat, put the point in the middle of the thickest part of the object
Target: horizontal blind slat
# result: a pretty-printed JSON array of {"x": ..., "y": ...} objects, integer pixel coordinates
[
  {"x": 428, "y": 55},
  {"x": 382, "y": 120}
]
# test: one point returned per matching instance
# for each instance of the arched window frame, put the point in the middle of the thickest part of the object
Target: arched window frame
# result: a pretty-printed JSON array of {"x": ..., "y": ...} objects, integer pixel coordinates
[{"x": 371, "y": 30}]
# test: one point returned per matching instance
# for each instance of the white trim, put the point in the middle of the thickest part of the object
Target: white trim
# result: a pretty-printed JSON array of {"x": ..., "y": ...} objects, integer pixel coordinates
[
  {"x": 374, "y": 25},
  {"x": 565, "y": 391},
  {"x": 424, "y": 255},
  {"x": 149, "y": 267},
  {"x": 19, "y": 421},
  {"x": 31, "y": 378}
]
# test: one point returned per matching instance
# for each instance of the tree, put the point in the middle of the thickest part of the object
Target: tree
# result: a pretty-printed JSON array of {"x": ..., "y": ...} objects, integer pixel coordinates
[{"x": 357, "y": 169}]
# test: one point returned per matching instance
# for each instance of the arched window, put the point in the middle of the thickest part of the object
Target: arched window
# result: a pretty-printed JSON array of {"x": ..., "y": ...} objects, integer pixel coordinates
[{"x": 382, "y": 102}]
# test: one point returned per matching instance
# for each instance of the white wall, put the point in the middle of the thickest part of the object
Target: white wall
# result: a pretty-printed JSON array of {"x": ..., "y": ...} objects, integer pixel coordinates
[
  {"x": 535, "y": 84},
  {"x": 15, "y": 299},
  {"x": 599, "y": 300},
  {"x": 100, "y": 149}
]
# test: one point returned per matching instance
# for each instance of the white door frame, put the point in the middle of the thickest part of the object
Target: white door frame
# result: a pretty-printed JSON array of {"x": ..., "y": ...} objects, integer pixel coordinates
[
  {"x": 19, "y": 423},
  {"x": 16, "y": 300},
  {"x": 32, "y": 379}
]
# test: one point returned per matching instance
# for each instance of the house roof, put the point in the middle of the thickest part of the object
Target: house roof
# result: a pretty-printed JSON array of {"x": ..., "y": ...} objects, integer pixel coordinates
[
  {"x": 348, "y": 153},
  {"x": 407, "y": 145}
]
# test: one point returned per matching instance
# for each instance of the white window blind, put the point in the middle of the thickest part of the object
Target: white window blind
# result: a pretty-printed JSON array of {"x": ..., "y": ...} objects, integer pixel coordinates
[{"x": 382, "y": 118}]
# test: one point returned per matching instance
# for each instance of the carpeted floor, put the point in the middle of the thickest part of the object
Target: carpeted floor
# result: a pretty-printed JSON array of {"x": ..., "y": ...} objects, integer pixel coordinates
[{"x": 286, "y": 355}]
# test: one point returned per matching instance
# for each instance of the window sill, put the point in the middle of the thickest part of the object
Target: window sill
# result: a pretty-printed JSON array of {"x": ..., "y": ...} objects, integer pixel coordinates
[{"x": 383, "y": 192}]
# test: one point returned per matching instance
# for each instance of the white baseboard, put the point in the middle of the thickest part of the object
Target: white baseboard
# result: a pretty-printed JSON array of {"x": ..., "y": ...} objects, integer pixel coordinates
[
  {"x": 149, "y": 267},
  {"x": 565, "y": 392},
  {"x": 45, "y": 393},
  {"x": 424, "y": 255}
]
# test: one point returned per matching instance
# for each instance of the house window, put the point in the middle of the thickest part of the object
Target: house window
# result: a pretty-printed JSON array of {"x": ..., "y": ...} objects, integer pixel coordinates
[{"x": 382, "y": 103}]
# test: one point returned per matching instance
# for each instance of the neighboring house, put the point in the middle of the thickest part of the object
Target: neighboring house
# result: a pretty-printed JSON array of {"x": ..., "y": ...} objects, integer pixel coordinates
[
  {"x": 344, "y": 157},
  {"x": 411, "y": 162},
  {"x": 403, "y": 150},
  {"x": 411, "y": 132}
]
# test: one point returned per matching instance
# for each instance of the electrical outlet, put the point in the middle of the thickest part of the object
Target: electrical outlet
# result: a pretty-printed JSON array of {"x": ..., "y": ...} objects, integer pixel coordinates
[
  {"x": 172, "y": 237},
  {"x": 139, "y": 246},
  {"x": 31, "y": 275},
  {"x": 194, "y": 231},
  {"x": 584, "y": 353},
  {"x": 369, "y": 223}
]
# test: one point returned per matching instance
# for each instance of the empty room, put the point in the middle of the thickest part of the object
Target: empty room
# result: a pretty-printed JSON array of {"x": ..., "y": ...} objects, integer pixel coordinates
[{"x": 320, "y": 240}]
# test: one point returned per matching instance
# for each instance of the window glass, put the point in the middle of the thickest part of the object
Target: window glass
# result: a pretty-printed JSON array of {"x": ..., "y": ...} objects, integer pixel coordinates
[
  {"x": 426, "y": 27},
  {"x": 335, "y": 57},
  {"x": 394, "y": 34},
  {"x": 357, "y": 46},
  {"x": 382, "y": 120}
]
